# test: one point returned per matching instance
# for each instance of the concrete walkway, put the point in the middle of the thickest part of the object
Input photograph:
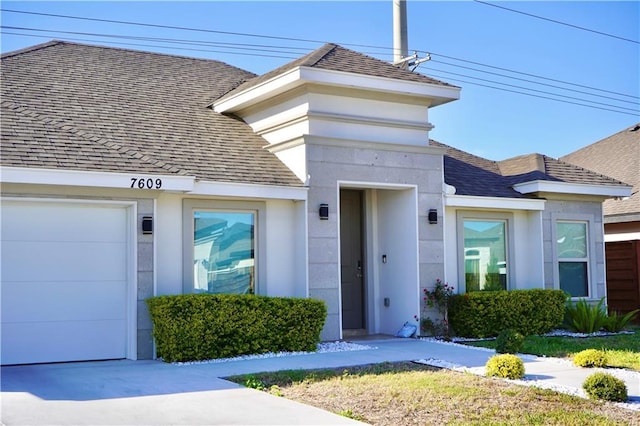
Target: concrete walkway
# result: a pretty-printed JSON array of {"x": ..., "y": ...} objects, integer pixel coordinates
[{"x": 155, "y": 393}]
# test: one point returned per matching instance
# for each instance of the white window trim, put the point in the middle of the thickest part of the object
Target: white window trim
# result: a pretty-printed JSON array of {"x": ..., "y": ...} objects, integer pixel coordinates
[
  {"x": 591, "y": 250},
  {"x": 191, "y": 205},
  {"x": 508, "y": 218}
]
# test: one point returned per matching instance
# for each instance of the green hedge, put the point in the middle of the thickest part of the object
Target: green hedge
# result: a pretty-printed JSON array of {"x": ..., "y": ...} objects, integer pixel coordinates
[
  {"x": 487, "y": 313},
  {"x": 194, "y": 327}
]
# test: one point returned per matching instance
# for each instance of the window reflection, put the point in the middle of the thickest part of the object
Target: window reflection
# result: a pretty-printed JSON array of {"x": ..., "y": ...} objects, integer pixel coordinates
[
  {"x": 224, "y": 255},
  {"x": 485, "y": 261}
]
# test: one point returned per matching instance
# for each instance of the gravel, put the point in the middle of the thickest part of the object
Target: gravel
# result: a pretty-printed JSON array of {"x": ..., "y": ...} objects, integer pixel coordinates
[{"x": 323, "y": 347}]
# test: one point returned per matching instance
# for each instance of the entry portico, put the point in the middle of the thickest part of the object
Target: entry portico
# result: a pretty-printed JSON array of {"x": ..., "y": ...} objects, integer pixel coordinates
[{"x": 360, "y": 143}]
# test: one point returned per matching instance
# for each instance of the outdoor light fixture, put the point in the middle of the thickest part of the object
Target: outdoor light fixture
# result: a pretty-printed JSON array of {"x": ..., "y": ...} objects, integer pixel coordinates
[
  {"x": 433, "y": 216},
  {"x": 323, "y": 212},
  {"x": 147, "y": 225}
]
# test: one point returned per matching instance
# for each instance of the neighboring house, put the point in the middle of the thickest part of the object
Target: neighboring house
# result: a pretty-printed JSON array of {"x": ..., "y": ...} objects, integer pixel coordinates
[
  {"x": 129, "y": 174},
  {"x": 618, "y": 156}
]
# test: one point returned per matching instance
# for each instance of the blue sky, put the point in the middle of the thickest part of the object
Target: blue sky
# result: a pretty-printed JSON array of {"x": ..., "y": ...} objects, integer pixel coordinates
[{"x": 493, "y": 123}]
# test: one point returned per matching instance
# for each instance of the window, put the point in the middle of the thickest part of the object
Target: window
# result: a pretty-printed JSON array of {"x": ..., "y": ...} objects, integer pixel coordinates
[
  {"x": 571, "y": 245},
  {"x": 485, "y": 254},
  {"x": 222, "y": 246}
]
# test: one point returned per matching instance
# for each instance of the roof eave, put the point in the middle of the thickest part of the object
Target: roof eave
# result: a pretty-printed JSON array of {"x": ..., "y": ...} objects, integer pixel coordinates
[
  {"x": 434, "y": 94},
  {"x": 601, "y": 190}
]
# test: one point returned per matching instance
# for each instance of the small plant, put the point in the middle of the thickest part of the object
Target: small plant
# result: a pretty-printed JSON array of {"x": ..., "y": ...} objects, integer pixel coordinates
[
  {"x": 351, "y": 415},
  {"x": 590, "y": 358},
  {"x": 506, "y": 366},
  {"x": 584, "y": 317},
  {"x": 616, "y": 322},
  {"x": 437, "y": 298},
  {"x": 605, "y": 386},
  {"x": 509, "y": 341},
  {"x": 254, "y": 383}
]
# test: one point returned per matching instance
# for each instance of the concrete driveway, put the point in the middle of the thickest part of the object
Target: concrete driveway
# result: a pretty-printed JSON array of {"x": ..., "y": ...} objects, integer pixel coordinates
[
  {"x": 142, "y": 393},
  {"x": 155, "y": 393}
]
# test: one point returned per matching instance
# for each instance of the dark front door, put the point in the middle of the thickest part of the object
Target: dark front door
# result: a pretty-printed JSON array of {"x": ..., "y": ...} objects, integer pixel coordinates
[{"x": 351, "y": 259}]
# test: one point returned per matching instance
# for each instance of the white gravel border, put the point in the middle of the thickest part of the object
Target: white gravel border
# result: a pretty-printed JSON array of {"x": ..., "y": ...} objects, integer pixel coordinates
[{"x": 323, "y": 347}]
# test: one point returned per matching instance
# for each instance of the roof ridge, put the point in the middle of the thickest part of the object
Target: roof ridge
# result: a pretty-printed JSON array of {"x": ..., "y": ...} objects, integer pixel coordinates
[
  {"x": 61, "y": 124},
  {"x": 588, "y": 170},
  {"x": 33, "y": 48},
  {"x": 316, "y": 56},
  {"x": 52, "y": 43}
]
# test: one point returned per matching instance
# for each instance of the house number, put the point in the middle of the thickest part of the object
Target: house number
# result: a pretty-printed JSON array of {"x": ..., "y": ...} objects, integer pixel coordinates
[{"x": 142, "y": 183}]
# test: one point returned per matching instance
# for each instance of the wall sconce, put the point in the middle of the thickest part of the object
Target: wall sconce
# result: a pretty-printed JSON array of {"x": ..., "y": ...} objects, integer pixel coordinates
[
  {"x": 323, "y": 212},
  {"x": 433, "y": 216},
  {"x": 147, "y": 225}
]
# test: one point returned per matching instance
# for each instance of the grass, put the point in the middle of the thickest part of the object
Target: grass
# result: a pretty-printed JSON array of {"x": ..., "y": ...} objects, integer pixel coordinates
[
  {"x": 623, "y": 350},
  {"x": 414, "y": 394}
]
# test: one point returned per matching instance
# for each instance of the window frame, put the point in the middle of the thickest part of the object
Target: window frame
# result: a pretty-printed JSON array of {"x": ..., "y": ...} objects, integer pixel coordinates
[
  {"x": 508, "y": 219},
  {"x": 190, "y": 206},
  {"x": 588, "y": 221}
]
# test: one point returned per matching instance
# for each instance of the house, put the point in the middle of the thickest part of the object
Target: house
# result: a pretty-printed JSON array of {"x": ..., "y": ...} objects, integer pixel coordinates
[
  {"x": 618, "y": 156},
  {"x": 129, "y": 174}
]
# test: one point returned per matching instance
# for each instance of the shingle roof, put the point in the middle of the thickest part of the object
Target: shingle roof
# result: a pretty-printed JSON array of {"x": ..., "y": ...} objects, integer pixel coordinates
[
  {"x": 477, "y": 176},
  {"x": 337, "y": 58},
  {"x": 617, "y": 156},
  {"x": 73, "y": 106}
]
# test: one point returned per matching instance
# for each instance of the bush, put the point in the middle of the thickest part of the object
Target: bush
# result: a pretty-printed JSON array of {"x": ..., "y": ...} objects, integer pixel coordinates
[
  {"x": 193, "y": 327},
  {"x": 590, "y": 358},
  {"x": 583, "y": 317},
  {"x": 616, "y": 322},
  {"x": 506, "y": 366},
  {"x": 605, "y": 386},
  {"x": 509, "y": 342},
  {"x": 486, "y": 313}
]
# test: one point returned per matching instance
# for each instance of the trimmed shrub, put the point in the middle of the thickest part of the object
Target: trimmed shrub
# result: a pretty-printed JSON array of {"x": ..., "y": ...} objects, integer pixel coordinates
[
  {"x": 194, "y": 327},
  {"x": 509, "y": 342},
  {"x": 590, "y": 358},
  {"x": 486, "y": 313},
  {"x": 506, "y": 366},
  {"x": 605, "y": 386},
  {"x": 584, "y": 317}
]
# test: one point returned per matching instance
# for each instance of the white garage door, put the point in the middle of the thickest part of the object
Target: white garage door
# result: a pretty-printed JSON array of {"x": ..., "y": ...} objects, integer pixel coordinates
[{"x": 64, "y": 281}]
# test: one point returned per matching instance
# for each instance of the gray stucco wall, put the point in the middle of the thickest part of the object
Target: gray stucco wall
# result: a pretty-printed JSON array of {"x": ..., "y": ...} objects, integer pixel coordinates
[
  {"x": 145, "y": 283},
  {"x": 368, "y": 164},
  {"x": 590, "y": 211}
]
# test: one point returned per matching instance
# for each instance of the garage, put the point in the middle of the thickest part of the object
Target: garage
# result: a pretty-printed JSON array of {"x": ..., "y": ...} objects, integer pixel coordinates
[{"x": 66, "y": 280}]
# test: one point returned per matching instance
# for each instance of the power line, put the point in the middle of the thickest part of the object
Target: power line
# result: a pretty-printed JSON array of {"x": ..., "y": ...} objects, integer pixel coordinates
[
  {"x": 245, "y": 46},
  {"x": 532, "y": 75},
  {"x": 536, "y": 96},
  {"x": 154, "y": 46},
  {"x": 535, "y": 90},
  {"x": 533, "y": 82},
  {"x": 558, "y": 22},
  {"x": 280, "y": 49}
]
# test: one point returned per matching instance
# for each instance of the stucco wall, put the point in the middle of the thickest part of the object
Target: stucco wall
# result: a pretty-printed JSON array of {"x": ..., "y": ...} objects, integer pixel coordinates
[
  {"x": 333, "y": 164},
  {"x": 590, "y": 211}
]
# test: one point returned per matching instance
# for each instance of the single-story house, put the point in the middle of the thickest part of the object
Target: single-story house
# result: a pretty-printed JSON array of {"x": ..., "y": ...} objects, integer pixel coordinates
[
  {"x": 129, "y": 174},
  {"x": 618, "y": 156}
]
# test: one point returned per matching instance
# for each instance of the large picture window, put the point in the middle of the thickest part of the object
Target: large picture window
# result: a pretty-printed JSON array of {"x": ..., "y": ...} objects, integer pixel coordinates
[
  {"x": 224, "y": 246},
  {"x": 223, "y": 252},
  {"x": 573, "y": 256},
  {"x": 485, "y": 254}
]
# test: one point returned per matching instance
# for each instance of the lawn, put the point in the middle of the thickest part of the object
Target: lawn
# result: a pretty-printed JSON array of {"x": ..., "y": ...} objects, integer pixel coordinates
[
  {"x": 414, "y": 394},
  {"x": 623, "y": 350}
]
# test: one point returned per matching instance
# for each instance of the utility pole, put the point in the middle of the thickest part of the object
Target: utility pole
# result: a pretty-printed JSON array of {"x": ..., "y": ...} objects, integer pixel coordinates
[{"x": 400, "y": 42}]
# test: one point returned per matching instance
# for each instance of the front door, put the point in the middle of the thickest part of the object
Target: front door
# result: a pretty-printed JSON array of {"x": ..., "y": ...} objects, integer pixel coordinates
[{"x": 351, "y": 260}]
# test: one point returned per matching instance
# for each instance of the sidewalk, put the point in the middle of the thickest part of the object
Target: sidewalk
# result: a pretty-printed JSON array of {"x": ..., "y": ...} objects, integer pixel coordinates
[{"x": 152, "y": 392}]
